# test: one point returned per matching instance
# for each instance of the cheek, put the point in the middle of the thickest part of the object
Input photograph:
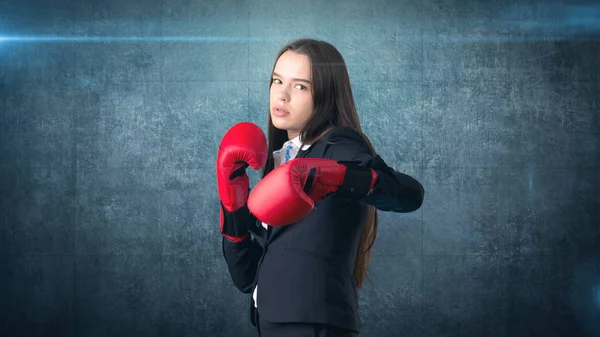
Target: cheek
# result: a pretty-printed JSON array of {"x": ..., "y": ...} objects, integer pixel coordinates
[
  {"x": 271, "y": 94},
  {"x": 308, "y": 108}
]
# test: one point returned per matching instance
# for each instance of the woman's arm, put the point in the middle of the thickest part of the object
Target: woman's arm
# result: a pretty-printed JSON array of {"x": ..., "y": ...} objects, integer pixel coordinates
[
  {"x": 241, "y": 256},
  {"x": 346, "y": 169},
  {"x": 393, "y": 191},
  {"x": 242, "y": 261}
]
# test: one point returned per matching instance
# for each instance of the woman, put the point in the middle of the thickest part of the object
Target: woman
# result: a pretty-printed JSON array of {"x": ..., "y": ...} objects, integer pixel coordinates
[{"x": 301, "y": 241}]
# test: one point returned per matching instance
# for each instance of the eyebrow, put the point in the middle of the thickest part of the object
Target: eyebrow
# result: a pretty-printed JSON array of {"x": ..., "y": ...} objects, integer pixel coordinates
[{"x": 295, "y": 79}]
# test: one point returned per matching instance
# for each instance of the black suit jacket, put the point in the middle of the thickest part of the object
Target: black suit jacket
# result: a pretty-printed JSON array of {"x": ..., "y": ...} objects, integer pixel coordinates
[{"x": 304, "y": 270}]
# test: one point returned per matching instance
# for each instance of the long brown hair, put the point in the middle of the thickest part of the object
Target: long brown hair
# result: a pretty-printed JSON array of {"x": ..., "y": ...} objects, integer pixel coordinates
[{"x": 333, "y": 106}]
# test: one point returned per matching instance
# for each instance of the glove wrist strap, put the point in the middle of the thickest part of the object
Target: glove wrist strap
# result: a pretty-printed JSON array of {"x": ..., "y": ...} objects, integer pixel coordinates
[
  {"x": 357, "y": 182},
  {"x": 235, "y": 224}
]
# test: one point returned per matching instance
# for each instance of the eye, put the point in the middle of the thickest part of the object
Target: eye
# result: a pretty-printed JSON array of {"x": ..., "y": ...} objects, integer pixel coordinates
[
  {"x": 276, "y": 81},
  {"x": 300, "y": 86}
]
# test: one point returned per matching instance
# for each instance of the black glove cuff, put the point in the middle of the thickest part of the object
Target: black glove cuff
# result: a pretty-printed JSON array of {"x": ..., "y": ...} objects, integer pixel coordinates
[
  {"x": 357, "y": 181},
  {"x": 236, "y": 223}
]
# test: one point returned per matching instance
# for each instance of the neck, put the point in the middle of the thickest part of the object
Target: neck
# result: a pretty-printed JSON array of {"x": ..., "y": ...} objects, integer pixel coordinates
[{"x": 292, "y": 135}]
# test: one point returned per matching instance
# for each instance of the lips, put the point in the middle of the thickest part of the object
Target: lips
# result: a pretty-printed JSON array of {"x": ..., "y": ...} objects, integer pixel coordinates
[{"x": 279, "y": 111}]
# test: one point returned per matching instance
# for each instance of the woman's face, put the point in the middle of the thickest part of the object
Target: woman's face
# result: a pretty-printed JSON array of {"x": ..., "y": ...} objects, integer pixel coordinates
[{"x": 291, "y": 101}]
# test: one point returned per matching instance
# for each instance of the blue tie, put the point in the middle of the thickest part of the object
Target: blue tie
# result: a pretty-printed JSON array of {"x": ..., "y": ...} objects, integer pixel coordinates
[{"x": 288, "y": 152}]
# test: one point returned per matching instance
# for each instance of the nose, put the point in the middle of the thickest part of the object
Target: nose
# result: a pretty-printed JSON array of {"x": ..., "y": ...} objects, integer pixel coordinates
[{"x": 283, "y": 95}]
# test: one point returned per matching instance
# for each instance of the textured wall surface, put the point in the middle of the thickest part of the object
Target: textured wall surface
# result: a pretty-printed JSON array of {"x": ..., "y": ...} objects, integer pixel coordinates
[{"x": 111, "y": 113}]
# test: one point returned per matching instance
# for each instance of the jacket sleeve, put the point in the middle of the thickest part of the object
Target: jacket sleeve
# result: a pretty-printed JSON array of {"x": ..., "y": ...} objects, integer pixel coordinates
[
  {"x": 393, "y": 191},
  {"x": 242, "y": 261}
]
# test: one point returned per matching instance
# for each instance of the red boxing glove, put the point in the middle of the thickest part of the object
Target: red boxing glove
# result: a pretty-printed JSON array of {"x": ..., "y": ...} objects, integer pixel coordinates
[
  {"x": 242, "y": 146},
  {"x": 287, "y": 194}
]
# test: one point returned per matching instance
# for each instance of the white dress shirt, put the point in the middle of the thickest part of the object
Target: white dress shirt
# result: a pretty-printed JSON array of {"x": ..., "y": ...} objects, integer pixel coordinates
[{"x": 285, "y": 154}]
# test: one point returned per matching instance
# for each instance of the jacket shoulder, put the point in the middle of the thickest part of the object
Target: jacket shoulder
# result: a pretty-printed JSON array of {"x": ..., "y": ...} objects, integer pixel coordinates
[
  {"x": 343, "y": 134},
  {"x": 346, "y": 143}
]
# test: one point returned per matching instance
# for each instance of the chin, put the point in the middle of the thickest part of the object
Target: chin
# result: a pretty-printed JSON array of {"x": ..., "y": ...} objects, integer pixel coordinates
[{"x": 278, "y": 124}]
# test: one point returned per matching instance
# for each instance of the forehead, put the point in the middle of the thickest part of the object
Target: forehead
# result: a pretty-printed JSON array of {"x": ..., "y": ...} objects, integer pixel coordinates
[{"x": 292, "y": 64}]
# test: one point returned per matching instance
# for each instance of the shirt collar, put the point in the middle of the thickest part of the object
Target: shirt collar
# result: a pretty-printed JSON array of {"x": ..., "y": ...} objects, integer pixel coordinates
[{"x": 297, "y": 142}]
